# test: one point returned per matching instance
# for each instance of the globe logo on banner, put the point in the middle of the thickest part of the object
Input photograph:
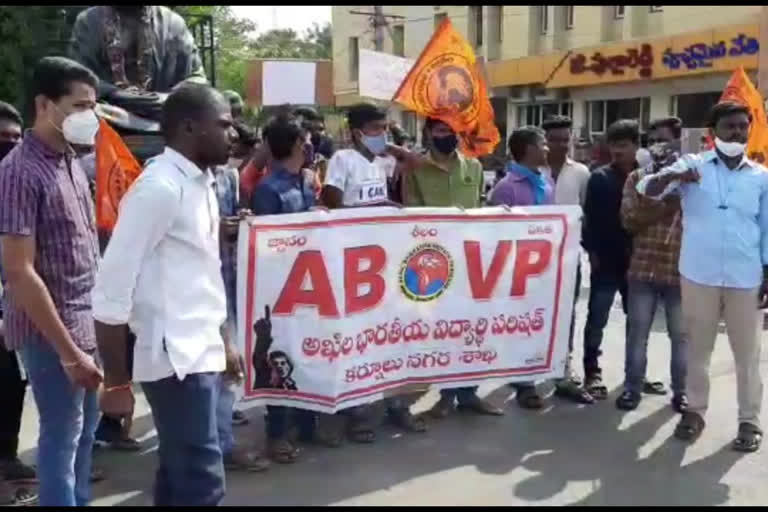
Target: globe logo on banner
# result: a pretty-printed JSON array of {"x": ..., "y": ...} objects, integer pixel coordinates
[{"x": 426, "y": 272}]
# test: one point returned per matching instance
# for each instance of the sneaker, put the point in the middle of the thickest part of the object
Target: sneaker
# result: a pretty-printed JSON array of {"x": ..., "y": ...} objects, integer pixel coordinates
[{"x": 16, "y": 497}]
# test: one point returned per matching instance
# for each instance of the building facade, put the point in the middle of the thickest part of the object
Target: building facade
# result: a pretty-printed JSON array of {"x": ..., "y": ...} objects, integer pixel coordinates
[{"x": 593, "y": 63}]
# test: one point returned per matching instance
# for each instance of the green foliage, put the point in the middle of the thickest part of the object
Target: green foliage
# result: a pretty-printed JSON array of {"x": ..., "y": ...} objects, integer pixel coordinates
[
  {"x": 31, "y": 32},
  {"x": 27, "y": 34}
]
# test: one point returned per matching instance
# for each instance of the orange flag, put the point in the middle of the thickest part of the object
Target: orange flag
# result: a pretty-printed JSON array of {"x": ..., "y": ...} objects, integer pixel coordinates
[
  {"x": 445, "y": 83},
  {"x": 740, "y": 89},
  {"x": 116, "y": 169}
]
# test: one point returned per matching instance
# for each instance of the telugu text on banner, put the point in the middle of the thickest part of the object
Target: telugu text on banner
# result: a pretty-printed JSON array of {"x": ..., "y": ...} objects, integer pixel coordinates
[{"x": 346, "y": 307}]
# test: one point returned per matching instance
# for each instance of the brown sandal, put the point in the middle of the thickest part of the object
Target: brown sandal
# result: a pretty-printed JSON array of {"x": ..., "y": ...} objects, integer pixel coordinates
[
  {"x": 282, "y": 451},
  {"x": 404, "y": 419}
]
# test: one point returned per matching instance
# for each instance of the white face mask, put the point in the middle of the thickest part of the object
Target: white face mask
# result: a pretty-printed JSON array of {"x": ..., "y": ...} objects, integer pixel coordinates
[
  {"x": 643, "y": 157},
  {"x": 732, "y": 149},
  {"x": 81, "y": 127}
]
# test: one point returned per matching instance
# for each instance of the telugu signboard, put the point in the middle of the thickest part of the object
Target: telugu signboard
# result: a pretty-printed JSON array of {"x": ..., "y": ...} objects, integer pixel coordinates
[{"x": 344, "y": 308}]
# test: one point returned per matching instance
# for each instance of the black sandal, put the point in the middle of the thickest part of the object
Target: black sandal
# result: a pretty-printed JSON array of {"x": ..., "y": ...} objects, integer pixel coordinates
[
  {"x": 572, "y": 390},
  {"x": 595, "y": 387},
  {"x": 749, "y": 438},
  {"x": 690, "y": 426},
  {"x": 628, "y": 401},
  {"x": 654, "y": 388}
]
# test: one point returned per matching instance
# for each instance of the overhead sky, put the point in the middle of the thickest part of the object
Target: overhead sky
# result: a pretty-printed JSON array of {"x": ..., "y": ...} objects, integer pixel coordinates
[{"x": 297, "y": 17}]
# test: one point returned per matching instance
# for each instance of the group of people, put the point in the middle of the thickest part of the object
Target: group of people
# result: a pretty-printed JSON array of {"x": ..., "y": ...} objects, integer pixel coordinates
[{"x": 158, "y": 307}]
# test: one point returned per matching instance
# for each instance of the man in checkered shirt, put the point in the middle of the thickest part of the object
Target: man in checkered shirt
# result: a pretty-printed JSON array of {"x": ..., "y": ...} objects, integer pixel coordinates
[{"x": 653, "y": 273}]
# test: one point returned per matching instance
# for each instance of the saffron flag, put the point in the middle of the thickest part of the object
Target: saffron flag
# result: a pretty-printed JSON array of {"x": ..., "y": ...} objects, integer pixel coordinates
[
  {"x": 116, "y": 170},
  {"x": 446, "y": 84},
  {"x": 741, "y": 90}
]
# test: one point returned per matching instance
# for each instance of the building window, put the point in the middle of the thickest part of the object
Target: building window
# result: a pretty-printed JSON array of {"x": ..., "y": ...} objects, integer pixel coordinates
[
  {"x": 439, "y": 17},
  {"x": 656, "y": 8},
  {"x": 398, "y": 40},
  {"x": 544, "y": 18},
  {"x": 569, "y": 17},
  {"x": 353, "y": 58},
  {"x": 618, "y": 11},
  {"x": 693, "y": 109},
  {"x": 601, "y": 114},
  {"x": 534, "y": 115},
  {"x": 409, "y": 122}
]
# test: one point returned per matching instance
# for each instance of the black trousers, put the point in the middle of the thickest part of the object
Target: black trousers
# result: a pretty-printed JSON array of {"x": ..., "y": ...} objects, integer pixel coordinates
[{"x": 12, "y": 403}]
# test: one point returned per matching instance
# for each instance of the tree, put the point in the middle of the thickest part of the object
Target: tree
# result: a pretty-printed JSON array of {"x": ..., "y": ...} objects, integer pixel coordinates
[{"x": 21, "y": 44}]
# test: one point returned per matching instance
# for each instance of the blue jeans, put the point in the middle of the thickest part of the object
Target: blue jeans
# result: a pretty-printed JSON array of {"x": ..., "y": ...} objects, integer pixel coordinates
[
  {"x": 643, "y": 300},
  {"x": 68, "y": 419},
  {"x": 190, "y": 469},
  {"x": 224, "y": 408},
  {"x": 602, "y": 292}
]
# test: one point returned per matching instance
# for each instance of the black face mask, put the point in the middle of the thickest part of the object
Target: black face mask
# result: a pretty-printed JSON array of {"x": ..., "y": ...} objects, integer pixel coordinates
[
  {"x": 5, "y": 147},
  {"x": 316, "y": 139},
  {"x": 446, "y": 144}
]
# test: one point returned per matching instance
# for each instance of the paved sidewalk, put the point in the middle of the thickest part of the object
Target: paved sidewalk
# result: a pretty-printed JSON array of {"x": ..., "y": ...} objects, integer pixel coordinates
[{"x": 564, "y": 455}]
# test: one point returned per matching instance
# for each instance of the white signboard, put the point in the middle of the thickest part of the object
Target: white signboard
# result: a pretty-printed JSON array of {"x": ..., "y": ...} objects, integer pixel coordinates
[
  {"x": 346, "y": 307},
  {"x": 380, "y": 74},
  {"x": 290, "y": 82}
]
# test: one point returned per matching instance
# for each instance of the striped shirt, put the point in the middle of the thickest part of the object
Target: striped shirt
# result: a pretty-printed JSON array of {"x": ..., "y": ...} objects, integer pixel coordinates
[{"x": 44, "y": 193}]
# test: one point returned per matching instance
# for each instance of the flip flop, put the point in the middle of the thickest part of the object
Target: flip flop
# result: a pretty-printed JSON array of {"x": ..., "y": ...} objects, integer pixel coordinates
[{"x": 654, "y": 388}]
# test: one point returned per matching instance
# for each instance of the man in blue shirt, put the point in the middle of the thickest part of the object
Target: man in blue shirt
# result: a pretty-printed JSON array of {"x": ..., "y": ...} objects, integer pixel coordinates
[
  {"x": 286, "y": 189},
  {"x": 723, "y": 258}
]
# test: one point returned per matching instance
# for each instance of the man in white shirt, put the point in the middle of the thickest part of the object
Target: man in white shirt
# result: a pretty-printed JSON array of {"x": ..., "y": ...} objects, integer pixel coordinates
[
  {"x": 161, "y": 275},
  {"x": 358, "y": 176},
  {"x": 570, "y": 179}
]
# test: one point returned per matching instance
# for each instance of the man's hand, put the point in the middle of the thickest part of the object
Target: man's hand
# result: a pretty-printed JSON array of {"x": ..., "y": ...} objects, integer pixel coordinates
[
  {"x": 688, "y": 176},
  {"x": 82, "y": 371},
  {"x": 763, "y": 294},
  {"x": 118, "y": 402},
  {"x": 235, "y": 369}
]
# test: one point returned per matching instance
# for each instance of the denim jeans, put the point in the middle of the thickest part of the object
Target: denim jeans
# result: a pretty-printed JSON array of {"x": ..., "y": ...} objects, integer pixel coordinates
[
  {"x": 461, "y": 395},
  {"x": 190, "y": 469},
  {"x": 602, "y": 292},
  {"x": 224, "y": 408},
  {"x": 68, "y": 418},
  {"x": 643, "y": 300}
]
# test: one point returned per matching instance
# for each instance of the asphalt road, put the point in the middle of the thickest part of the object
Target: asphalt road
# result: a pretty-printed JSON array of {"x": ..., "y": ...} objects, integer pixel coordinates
[{"x": 565, "y": 454}]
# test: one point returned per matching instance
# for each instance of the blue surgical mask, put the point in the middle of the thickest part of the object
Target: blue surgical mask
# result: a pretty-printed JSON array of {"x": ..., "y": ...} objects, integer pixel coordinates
[{"x": 376, "y": 144}]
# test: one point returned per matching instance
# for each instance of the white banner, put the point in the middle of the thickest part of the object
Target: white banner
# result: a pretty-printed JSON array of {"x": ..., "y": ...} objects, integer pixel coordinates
[
  {"x": 346, "y": 307},
  {"x": 380, "y": 74}
]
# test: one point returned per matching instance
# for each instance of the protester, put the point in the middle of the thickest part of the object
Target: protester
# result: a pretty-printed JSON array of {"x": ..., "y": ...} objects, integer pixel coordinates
[
  {"x": 12, "y": 381},
  {"x": 161, "y": 271},
  {"x": 358, "y": 177},
  {"x": 236, "y": 104},
  {"x": 601, "y": 154},
  {"x": 314, "y": 123},
  {"x": 723, "y": 264},
  {"x": 286, "y": 189},
  {"x": 609, "y": 246},
  {"x": 525, "y": 185},
  {"x": 448, "y": 178},
  {"x": 236, "y": 458},
  {"x": 50, "y": 267},
  {"x": 570, "y": 179},
  {"x": 653, "y": 276}
]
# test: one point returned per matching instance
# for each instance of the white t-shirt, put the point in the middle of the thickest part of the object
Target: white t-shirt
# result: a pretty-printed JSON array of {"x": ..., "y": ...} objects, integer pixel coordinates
[{"x": 361, "y": 181}]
